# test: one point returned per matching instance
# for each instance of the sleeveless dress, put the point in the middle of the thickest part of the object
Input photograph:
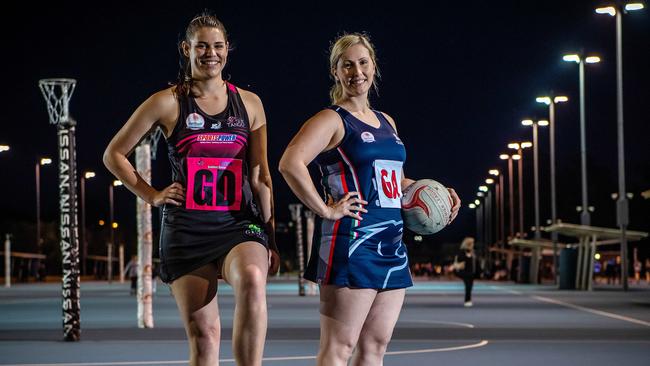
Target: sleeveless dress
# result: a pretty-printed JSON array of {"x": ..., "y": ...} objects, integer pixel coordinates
[
  {"x": 209, "y": 157},
  {"x": 367, "y": 253}
]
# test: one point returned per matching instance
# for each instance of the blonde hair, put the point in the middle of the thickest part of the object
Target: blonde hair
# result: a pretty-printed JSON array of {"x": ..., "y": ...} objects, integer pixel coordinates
[
  {"x": 340, "y": 45},
  {"x": 467, "y": 243}
]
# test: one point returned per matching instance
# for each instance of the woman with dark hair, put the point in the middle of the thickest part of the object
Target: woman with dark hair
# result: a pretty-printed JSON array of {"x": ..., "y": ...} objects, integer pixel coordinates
[{"x": 218, "y": 211}]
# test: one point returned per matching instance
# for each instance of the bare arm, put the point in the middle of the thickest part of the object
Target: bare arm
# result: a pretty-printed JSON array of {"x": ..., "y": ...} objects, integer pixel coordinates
[
  {"x": 260, "y": 176},
  {"x": 159, "y": 109},
  {"x": 321, "y": 132}
]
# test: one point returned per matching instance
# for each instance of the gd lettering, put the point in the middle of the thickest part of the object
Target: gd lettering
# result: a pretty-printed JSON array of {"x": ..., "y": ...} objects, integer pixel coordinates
[
  {"x": 214, "y": 184},
  {"x": 391, "y": 189}
]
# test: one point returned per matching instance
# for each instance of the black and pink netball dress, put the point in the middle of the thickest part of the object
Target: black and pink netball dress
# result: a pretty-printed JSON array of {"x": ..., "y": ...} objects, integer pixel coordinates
[
  {"x": 208, "y": 155},
  {"x": 367, "y": 253}
]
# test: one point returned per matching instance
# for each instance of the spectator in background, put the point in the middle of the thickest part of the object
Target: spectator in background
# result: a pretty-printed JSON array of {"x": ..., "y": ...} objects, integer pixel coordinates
[
  {"x": 131, "y": 271},
  {"x": 464, "y": 266}
]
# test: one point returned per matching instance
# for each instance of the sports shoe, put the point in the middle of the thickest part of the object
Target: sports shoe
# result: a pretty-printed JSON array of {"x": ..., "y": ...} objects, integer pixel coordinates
[{"x": 468, "y": 304}]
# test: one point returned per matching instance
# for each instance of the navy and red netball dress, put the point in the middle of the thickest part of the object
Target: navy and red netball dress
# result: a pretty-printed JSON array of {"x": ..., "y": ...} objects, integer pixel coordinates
[
  {"x": 367, "y": 253},
  {"x": 208, "y": 156}
]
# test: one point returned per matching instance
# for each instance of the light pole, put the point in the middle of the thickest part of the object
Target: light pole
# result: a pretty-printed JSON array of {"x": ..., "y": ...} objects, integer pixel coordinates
[
  {"x": 551, "y": 101},
  {"x": 511, "y": 194},
  {"x": 476, "y": 206},
  {"x": 493, "y": 209},
  {"x": 585, "y": 218},
  {"x": 113, "y": 226},
  {"x": 500, "y": 214},
  {"x": 489, "y": 237},
  {"x": 520, "y": 146},
  {"x": 84, "y": 243},
  {"x": 42, "y": 161},
  {"x": 622, "y": 209},
  {"x": 534, "y": 265},
  {"x": 485, "y": 233}
]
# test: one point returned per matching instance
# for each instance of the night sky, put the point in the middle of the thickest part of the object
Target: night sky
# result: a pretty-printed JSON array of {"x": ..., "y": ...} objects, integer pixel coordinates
[{"x": 457, "y": 80}]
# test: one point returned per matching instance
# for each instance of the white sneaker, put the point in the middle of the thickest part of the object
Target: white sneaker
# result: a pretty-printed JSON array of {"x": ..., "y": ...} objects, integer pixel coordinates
[{"x": 468, "y": 304}]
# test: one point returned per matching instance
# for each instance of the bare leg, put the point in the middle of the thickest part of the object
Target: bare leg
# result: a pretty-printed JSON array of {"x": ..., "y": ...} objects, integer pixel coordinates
[
  {"x": 378, "y": 328},
  {"x": 195, "y": 295},
  {"x": 245, "y": 269},
  {"x": 342, "y": 314}
]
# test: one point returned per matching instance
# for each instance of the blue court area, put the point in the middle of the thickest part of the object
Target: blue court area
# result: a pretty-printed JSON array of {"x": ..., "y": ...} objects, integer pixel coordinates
[{"x": 508, "y": 325}]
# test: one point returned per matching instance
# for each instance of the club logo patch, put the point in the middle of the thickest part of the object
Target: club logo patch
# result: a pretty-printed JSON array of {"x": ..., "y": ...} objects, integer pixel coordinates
[
  {"x": 255, "y": 231},
  {"x": 194, "y": 121},
  {"x": 216, "y": 126},
  {"x": 367, "y": 137}
]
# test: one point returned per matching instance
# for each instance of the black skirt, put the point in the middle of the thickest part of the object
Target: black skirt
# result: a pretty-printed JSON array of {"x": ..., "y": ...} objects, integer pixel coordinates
[{"x": 191, "y": 239}]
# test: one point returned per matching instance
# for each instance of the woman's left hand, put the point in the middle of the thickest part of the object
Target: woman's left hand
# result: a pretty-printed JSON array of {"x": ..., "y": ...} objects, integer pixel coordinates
[
  {"x": 455, "y": 205},
  {"x": 274, "y": 261}
]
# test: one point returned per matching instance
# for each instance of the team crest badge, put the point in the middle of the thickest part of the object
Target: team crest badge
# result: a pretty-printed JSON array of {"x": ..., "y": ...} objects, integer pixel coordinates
[
  {"x": 367, "y": 137},
  {"x": 194, "y": 121}
]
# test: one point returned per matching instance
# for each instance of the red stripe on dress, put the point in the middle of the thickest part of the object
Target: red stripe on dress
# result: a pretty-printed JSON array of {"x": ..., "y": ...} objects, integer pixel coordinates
[
  {"x": 344, "y": 184},
  {"x": 332, "y": 245},
  {"x": 355, "y": 179}
]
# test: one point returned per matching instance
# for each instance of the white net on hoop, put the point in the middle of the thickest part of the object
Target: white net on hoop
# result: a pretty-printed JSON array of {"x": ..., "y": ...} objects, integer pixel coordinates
[
  {"x": 57, "y": 94},
  {"x": 153, "y": 138}
]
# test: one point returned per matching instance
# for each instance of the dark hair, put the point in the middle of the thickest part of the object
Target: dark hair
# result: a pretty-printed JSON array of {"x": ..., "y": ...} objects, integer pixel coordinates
[{"x": 203, "y": 20}]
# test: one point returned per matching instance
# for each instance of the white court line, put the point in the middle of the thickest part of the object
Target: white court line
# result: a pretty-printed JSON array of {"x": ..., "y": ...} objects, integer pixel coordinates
[
  {"x": 464, "y": 325},
  {"x": 578, "y": 307},
  {"x": 593, "y": 311},
  {"x": 293, "y": 358},
  {"x": 507, "y": 290}
]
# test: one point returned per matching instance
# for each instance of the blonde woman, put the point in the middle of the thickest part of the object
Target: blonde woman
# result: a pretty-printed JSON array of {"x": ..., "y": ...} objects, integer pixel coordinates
[
  {"x": 464, "y": 267},
  {"x": 358, "y": 259}
]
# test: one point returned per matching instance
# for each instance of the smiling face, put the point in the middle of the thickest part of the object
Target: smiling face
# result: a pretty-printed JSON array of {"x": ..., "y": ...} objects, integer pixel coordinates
[
  {"x": 207, "y": 51},
  {"x": 355, "y": 70}
]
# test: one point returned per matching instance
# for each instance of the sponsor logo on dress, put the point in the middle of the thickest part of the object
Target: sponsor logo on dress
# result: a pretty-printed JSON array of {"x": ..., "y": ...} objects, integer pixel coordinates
[
  {"x": 216, "y": 138},
  {"x": 233, "y": 121},
  {"x": 216, "y": 126},
  {"x": 397, "y": 140},
  {"x": 367, "y": 137},
  {"x": 255, "y": 231},
  {"x": 194, "y": 121}
]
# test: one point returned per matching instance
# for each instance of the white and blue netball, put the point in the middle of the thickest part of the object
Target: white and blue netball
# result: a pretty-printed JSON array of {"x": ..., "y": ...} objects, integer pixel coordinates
[{"x": 426, "y": 207}]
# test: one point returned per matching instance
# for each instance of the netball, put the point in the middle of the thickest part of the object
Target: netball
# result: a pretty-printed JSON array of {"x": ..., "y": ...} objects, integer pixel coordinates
[{"x": 426, "y": 207}]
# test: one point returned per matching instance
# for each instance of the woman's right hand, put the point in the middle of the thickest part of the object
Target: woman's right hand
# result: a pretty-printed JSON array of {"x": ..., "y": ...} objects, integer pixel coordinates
[
  {"x": 174, "y": 194},
  {"x": 348, "y": 205}
]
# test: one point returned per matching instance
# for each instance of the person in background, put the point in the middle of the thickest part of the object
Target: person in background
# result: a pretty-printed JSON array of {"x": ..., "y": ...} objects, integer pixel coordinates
[
  {"x": 464, "y": 267},
  {"x": 131, "y": 271}
]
